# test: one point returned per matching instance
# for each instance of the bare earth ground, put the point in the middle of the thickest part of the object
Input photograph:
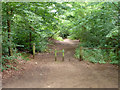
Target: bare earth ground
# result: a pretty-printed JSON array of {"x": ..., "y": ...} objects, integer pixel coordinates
[{"x": 44, "y": 72}]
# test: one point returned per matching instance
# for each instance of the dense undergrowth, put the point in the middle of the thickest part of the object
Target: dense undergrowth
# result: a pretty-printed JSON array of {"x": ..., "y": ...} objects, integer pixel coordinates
[{"x": 98, "y": 55}]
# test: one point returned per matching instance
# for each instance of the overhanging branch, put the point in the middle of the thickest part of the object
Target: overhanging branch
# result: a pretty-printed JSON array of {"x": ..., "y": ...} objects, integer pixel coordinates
[{"x": 116, "y": 6}]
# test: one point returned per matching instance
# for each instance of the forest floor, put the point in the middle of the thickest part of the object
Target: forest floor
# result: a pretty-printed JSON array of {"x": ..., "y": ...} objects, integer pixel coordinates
[{"x": 44, "y": 72}]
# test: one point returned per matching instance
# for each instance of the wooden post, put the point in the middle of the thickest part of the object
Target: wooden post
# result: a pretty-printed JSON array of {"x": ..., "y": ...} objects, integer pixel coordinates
[
  {"x": 55, "y": 55},
  {"x": 11, "y": 52},
  {"x": 63, "y": 55},
  {"x": 33, "y": 50},
  {"x": 80, "y": 53}
]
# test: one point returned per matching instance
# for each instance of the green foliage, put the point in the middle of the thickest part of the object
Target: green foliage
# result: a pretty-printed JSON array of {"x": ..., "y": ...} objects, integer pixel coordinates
[
  {"x": 95, "y": 24},
  {"x": 97, "y": 55},
  {"x": 8, "y": 62},
  {"x": 42, "y": 46},
  {"x": 24, "y": 56},
  {"x": 72, "y": 37},
  {"x": 56, "y": 37}
]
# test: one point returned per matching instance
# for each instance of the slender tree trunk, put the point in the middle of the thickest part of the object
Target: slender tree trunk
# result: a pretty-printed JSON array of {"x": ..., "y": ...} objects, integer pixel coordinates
[
  {"x": 8, "y": 25},
  {"x": 30, "y": 39},
  {"x": 30, "y": 45},
  {"x": 9, "y": 31}
]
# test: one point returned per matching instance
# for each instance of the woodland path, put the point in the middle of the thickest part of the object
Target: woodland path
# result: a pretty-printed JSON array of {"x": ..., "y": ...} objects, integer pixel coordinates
[{"x": 44, "y": 72}]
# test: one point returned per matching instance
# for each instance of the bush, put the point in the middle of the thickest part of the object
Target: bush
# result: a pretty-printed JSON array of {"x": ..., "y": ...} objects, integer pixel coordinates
[
  {"x": 8, "y": 62},
  {"x": 97, "y": 55},
  {"x": 57, "y": 37}
]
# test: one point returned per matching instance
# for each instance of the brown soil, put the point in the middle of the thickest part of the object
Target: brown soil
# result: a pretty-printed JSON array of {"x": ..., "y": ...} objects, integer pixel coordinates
[{"x": 44, "y": 72}]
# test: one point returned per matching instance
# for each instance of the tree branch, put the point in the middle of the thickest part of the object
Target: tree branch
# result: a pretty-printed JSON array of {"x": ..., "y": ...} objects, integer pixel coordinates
[{"x": 116, "y": 6}]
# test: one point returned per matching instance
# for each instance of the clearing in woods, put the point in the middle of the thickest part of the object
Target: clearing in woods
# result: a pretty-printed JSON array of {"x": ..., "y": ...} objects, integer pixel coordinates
[{"x": 44, "y": 72}]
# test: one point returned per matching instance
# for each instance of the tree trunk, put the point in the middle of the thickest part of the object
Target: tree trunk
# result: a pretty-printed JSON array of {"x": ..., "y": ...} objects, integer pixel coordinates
[
  {"x": 30, "y": 45},
  {"x": 9, "y": 31},
  {"x": 30, "y": 39}
]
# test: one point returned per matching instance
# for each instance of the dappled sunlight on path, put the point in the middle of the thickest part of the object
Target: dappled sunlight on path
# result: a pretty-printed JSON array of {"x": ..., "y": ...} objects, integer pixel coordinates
[{"x": 68, "y": 41}]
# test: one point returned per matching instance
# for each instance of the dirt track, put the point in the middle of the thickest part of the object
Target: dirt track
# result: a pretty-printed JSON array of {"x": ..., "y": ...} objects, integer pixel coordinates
[{"x": 44, "y": 72}]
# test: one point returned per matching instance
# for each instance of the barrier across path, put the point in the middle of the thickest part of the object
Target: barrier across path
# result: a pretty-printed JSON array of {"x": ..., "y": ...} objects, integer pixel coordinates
[{"x": 59, "y": 51}]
